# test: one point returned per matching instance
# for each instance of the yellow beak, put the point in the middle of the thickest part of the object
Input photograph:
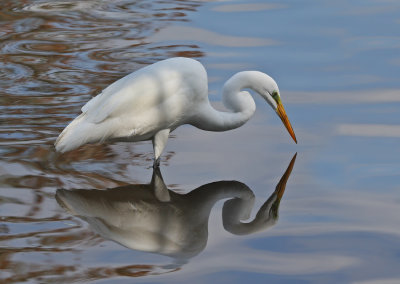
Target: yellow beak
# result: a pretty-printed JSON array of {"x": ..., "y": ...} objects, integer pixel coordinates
[{"x": 282, "y": 114}]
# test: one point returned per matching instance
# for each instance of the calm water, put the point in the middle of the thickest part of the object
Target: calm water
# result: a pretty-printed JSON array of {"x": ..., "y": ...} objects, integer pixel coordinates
[{"x": 97, "y": 213}]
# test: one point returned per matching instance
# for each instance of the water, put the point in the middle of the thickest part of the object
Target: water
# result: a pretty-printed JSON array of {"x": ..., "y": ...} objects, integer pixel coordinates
[{"x": 337, "y": 66}]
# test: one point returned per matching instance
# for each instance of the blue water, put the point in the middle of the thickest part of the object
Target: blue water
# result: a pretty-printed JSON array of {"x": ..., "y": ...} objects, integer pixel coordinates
[{"x": 337, "y": 66}]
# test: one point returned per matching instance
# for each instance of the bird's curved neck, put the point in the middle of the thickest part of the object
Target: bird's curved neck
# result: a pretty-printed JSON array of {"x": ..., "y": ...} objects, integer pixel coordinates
[
  {"x": 240, "y": 104},
  {"x": 213, "y": 192}
]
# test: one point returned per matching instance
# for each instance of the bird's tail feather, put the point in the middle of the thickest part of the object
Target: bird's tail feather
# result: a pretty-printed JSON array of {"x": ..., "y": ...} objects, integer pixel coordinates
[{"x": 74, "y": 135}]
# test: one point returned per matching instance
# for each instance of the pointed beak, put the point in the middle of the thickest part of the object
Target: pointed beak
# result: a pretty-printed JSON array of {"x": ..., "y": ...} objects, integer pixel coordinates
[
  {"x": 280, "y": 187},
  {"x": 282, "y": 114}
]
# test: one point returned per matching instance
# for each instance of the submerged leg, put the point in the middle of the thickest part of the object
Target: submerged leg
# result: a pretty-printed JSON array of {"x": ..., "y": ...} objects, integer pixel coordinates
[{"x": 159, "y": 143}]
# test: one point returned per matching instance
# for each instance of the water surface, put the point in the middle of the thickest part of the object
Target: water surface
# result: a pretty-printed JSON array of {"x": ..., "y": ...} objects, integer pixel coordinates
[{"x": 337, "y": 66}]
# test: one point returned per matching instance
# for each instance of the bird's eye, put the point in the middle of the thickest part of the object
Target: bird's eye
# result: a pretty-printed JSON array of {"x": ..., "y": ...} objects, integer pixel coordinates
[{"x": 275, "y": 96}]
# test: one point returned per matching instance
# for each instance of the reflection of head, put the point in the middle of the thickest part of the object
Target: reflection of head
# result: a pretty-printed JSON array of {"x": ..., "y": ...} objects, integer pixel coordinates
[
  {"x": 154, "y": 219},
  {"x": 266, "y": 216}
]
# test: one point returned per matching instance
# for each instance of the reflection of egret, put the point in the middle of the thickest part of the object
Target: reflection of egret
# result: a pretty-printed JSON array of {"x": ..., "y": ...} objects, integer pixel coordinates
[
  {"x": 154, "y": 219},
  {"x": 150, "y": 103}
]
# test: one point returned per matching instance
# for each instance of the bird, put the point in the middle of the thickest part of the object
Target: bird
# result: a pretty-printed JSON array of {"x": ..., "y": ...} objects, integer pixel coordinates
[
  {"x": 152, "y": 218},
  {"x": 150, "y": 103}
]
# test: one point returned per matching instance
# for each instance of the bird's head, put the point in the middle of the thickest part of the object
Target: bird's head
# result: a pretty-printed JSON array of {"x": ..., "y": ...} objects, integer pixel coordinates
[
  {"x": 269, "y": 90},
  {"x": 264, "y": 85},
  {"x": 274, "y": 100}
]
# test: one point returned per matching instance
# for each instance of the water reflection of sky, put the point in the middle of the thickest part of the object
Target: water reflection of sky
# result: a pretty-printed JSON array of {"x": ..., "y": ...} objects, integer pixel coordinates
[
  {"x": 337, "y": 66},
  {"x": 340, "y": 45}
]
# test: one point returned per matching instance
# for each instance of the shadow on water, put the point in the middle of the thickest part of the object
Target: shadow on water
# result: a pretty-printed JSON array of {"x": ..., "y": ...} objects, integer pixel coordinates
[{"x": 152, "y": 218}]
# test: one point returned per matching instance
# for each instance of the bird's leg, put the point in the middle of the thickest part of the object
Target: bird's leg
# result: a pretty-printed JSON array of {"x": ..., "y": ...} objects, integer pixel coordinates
[{"x": 159, "y": 143}]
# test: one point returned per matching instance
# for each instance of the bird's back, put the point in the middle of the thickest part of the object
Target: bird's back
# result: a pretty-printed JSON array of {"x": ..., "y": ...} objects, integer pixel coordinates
[
  {"x": 159, "y": 96},
  {"x": 149, "y": 87}
]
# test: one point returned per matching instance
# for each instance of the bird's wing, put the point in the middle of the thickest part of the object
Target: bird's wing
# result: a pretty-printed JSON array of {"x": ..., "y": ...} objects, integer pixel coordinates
[
  {"x": 107, "y": 102},
  {"x": 135, "y": 93},
  {"x": 148, "y": 89}
]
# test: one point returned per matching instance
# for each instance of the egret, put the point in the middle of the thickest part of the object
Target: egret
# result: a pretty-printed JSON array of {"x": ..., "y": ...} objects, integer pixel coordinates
[{"x": 152, "y": 102}]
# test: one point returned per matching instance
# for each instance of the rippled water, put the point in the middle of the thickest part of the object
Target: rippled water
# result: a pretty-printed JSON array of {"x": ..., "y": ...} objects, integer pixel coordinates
[{"x": 71, "y": 218}]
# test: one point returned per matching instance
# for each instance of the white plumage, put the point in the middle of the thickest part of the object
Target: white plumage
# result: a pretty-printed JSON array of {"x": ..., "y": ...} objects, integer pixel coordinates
[{"x": 150, "y": 103}]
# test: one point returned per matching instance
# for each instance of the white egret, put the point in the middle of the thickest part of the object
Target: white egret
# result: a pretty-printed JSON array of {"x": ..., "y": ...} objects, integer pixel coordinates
[{"x": 152, "y": 102}]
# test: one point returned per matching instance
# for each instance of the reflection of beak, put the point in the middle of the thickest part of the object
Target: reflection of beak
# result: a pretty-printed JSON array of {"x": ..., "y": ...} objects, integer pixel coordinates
[
  {"x": 280, "y": 187},
  {"x": 282, "y": 114}
]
